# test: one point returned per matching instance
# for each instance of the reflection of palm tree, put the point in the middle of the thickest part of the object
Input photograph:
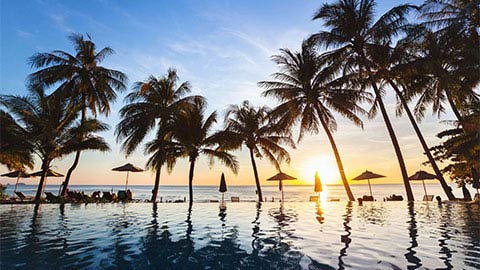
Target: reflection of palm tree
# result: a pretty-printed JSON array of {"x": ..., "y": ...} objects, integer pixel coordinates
[
  {"x": 256, "y": 228},
  {"x": 444, "y": 233},
  {"x": 346, "y": 237},
  {"x": 413, "y": 232}
]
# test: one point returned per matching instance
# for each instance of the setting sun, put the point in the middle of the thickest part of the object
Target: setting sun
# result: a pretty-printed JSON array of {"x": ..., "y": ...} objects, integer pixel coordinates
[{"x": 326, "y": 167}]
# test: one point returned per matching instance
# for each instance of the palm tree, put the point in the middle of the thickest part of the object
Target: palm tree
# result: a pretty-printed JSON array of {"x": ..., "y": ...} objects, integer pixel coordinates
[
  {"x": 250, "y": 126},
  {"x": 15, "y": 151},
  {"x": 192, "y": 135},
  {"x": 80, "y": 76},
  {"x": 51, "y": 129},
  {"x": 309, "y": 94},
  {"x": 353, "y": 33},
  {"x": 152, "y": 104}
]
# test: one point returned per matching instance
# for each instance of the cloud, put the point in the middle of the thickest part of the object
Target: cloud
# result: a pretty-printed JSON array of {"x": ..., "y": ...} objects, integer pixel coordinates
[
  {"x": 59, "y": 21},
  {"x": 24, "y": 34}
]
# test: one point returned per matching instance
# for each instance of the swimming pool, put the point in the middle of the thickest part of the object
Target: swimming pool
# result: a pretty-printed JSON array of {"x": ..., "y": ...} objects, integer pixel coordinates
[{"x": 329, "y": 235}]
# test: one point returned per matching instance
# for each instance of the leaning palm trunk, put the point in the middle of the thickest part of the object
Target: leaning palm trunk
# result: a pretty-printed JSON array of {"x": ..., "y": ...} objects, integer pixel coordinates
[
  {"x": 257, "y": 180},
  {"x": 396, "y": 146},
  {"x": 190, "y": 181},
  {"x": 443, "y": 183},
  {"x": 75, "y": 161},
  {"x": 38, "y": 196},
  {"x": 337, "y": 158},
  {"x": 454, "y": 107},
  {"x": 156, "y": 185}
]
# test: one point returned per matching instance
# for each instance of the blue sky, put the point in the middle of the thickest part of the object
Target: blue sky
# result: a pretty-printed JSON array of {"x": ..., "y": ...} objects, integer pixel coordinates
[{"x": 223, "y": 48}]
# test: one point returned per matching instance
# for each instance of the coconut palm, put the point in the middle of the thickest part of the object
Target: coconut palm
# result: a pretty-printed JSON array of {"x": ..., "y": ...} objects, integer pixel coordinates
[
  {"x": 310, "y": 95},
  {"x": 192, "y": 135},
  {"x": 81, "y": 77},
  {"x": 351, "y": 34},
  {"x": 15, "y": 150},
  {"x": 250, "y": 126},
  {"x": 51, "y": 129},
  {"x": 152, "y": 105}
]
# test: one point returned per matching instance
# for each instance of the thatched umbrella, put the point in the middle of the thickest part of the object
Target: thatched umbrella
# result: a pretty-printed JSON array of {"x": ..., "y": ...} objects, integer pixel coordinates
[
  {"x": 18, "y": 175},
  {"x": 280, "y": 177},
  {"x": 223, "y": 187},
  {"x": 127, "y": 168},
  {"x": 318, "y": 184},
  {"x": 367, "y": 175},
  {"x": 50, "y": 173},
  {"x": 422, "y": 176}
]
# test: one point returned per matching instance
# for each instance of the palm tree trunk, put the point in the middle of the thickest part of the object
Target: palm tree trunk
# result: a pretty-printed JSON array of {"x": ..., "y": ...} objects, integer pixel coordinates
[
  {"x": 454, "y": 107},
  {"x": 396, "y": 146},
  {"x": 337, "y": 158},
  {"x": 45, "y": 166},
  {"x": 190, "y": 181},
  {"x": 75, "y": 161},
  {"x": 157, "y": 184},
  {"x": 255, "y": 172},
  {"x": 426, "y": 149}
]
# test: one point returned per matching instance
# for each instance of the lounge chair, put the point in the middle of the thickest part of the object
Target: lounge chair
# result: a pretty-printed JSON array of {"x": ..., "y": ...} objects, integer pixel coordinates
[
  {"x": 122, "y": 195},
  {"x": 20, "y": 195},
  {"x": 366, "y": 198},
  {"x": 107, "y": 196},
  {"x": 235, "y": 199},
  {"x": 427, "y": 198},
  {"x": 52, "y": 198},
  {"x": 334, "y": 200},
  {"x": 213, "y": 200},
  {"x": 313, "y": 199}
]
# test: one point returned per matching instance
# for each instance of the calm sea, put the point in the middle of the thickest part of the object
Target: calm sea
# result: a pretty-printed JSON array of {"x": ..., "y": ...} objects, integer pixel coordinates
[{"x": 247, "y": 193}]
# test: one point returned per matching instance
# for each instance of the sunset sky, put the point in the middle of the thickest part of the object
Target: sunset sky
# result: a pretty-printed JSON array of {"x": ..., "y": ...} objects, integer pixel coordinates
[{"x": 223, "y": 48}]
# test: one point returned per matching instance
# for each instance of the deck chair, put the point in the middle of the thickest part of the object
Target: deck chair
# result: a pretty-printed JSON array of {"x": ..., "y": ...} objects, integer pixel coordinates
[
  {"x": 122, "y": 195},
  {"x": 313, "y": 199},
  {"x": 427, "y": 198},
  {"x": 20, "y": 195},
  {"x": 52, "y": 198},
  {"x": 235, "y": 199}
]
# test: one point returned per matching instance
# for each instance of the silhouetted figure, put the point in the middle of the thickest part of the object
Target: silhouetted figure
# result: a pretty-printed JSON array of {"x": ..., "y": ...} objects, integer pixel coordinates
[{"x": 439, "y": 200}]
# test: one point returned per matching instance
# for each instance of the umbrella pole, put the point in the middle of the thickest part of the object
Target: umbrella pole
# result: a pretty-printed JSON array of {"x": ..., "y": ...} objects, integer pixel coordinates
[
  {"x": 370, "y": 187},
  {"x": 16, "y": 184},
  {"x": 282, "y": 190},
  {"x": 223, "y": 194},
  {"x": 424, "y": 188},
  {"x": 126, "y": 182}
]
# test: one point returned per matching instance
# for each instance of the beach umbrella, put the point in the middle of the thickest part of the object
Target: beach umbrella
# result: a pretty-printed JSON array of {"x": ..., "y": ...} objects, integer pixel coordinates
[
  {"x": 422, "y": 176},
  {"x": 127, "y": 168},
  {"x": 318, "y": 183},
  {"x": 367, "y": 175},
  {"x": 280, "y": 177},
  {"x": 50, "y": 173},
  {"x": 18, "y": 175},
  {"x": 223, "y": 187}
]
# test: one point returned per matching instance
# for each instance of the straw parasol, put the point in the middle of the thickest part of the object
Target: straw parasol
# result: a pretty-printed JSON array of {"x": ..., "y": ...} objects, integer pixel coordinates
[
  {"x": 367, "y": 175},
  {"x": 280, "y": 177},
  {"x": 129, "y": 167},
  {"x": 422, "y": 176},
  {"x": 50, "y": 173},
  {"x": 18, "y": 175},
  {"x": 318, "y": 183},
  {"x": 223, "y": 188}
]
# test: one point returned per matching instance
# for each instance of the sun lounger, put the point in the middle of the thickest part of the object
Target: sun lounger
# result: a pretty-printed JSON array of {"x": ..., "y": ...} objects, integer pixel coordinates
[
  {"x": 213, "y": 200},
  {"x": 427, "y": 198},
  {"x": 52, "y": 198},
  {"x": 366, "y": 198},
  {"x": 313, "y": 199},
  {"x": 122, "y": 195},
  {"x": 235, "y": 199},
  {"x": 334, "y": 200},
  {"x": 20, "y": 195}
]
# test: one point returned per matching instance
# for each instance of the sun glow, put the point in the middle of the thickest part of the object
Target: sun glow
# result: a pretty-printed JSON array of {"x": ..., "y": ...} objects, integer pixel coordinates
[{"x": 326, "y": 167}]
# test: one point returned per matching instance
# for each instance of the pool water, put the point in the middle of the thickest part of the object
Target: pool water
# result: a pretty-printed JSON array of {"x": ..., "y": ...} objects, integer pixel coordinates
[{"x": 326, "y": 235}]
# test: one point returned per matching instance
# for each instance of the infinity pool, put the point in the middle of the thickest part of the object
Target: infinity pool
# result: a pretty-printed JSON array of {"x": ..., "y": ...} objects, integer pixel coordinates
[{"x": 333, "y": 235}]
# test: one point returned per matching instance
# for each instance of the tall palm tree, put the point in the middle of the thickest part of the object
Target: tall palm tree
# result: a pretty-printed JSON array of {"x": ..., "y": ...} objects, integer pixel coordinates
[
  {"x": 192, "y": 135},
  {"x": 51, "y": 129},
  {"x": 394, "y": 68},
  {"x": 251, "y": 126},
  {"x": 352, "y": 32},
  {"x": 86, "y": 83},
  {"x": 152, "y": 104},
  {"x": 310, "y": 95}
]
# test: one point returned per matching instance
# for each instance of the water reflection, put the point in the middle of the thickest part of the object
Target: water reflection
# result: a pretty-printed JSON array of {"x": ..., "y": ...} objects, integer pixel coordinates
[
  {"x": 413, "y": 233},
  {"x": 345, "y": 238},
  {"x": 445, "y": 220}
]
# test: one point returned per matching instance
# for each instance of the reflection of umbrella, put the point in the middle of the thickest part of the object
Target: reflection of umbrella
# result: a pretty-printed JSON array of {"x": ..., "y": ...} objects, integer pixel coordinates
[
  {"x": 367, "y": 175},
  {"x": 18, "y": 175},
  {"x": 128, "y": 168},
  {"x": 422, "y": 175},
  {"x": 280, "y": 177},
  {"x": 223, "y": 187}
]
